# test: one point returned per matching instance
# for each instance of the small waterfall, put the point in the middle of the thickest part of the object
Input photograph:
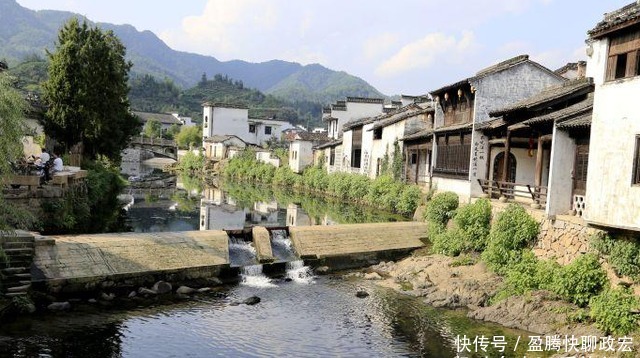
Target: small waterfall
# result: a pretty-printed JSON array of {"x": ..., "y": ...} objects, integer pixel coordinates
[
  {"x": 282, "y": 246},
  {"x": 298, "y": 272},
  {"x": 252, "y": 276},
  {"x": 241, "y": 252}
]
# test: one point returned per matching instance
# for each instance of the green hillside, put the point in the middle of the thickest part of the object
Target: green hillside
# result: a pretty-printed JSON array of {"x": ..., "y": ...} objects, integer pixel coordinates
[
  {"x": 24, "y": 32},
  {"x": 319, "y": 84}
]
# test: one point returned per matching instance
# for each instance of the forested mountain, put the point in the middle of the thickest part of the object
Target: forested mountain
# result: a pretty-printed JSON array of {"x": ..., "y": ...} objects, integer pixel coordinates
[{"x": 24, "y": 33}]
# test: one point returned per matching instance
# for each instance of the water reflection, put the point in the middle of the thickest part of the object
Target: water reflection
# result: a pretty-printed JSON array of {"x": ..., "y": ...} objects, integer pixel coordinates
[{"x": 188, "y": 206}]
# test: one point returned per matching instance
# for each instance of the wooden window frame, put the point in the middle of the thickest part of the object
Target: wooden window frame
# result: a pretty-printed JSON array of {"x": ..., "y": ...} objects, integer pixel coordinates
[
  {"x": 252, "y": 128},
  {"x": 635, "y": 175},
  {"x": 623, "y": 57},
  {"x": 453, "y": 155},
  {"x": 267, "y": 130}
]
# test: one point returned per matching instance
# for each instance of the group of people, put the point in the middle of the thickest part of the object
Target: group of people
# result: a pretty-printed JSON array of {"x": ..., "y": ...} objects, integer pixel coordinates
[{"x": 47, "y": 164}]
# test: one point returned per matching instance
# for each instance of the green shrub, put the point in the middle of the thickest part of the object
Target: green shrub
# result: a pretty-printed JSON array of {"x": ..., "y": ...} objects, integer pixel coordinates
[
  {"x": 358, "y": 187},
  {"x": 409, "y": 199},
  {"x": 528, "y": 274},
  {"x": 581, "y": 280},
  {"x": 446, "y": 242},
  {"x": 441, "y": 208},
  {"x": 513, "y": 230},
  {"x": 614, "y": 311},
  {"x": 463, "y": 260},
  {"x": 285, "y": 176},
  {"x": 622, "y": 254},
  {"x": 191, "y": 162},
  {"x": 378, "y": 190},
  {"x": 474, "y": 220}
]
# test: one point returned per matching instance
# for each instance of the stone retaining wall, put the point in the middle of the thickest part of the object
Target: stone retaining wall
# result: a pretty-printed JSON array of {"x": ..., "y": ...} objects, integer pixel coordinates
[{"x": 563, "y": 239}]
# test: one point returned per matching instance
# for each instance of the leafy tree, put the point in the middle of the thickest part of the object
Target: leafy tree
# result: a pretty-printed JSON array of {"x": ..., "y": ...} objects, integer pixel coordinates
[
  {"x": 86, "y": 92},
  {"x": 173, "y": 131},
  {"x": 189, "y": 136},
  {"x": 12, "y": 108},
  {"x": 152, "y": 129}
]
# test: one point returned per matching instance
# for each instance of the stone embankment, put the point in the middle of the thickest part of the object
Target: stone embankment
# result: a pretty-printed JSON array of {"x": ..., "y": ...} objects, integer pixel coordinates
[{"x": 442, "y": 284}]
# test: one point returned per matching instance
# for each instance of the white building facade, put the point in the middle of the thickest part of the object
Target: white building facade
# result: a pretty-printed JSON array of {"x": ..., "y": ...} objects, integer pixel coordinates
[{"x": 613, "y": 178}]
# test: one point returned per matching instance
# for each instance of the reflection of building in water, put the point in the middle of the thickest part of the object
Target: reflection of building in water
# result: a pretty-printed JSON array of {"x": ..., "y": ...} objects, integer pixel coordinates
[
  {"x": 219, "y": 211},
  {"x": 265, "y": 208},
  {"x": 296, "y": 216},
  {"x": 132, "y": 162}
]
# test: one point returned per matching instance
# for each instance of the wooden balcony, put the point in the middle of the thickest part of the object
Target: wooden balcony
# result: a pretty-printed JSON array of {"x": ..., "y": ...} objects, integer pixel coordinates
[{"x": 514, "y": 191}]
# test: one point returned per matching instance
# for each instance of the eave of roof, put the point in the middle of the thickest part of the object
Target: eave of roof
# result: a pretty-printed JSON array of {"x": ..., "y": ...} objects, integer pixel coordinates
[
  {"x": 425, "y": 133},
  {"x": 581, "y": 121},
  {"x": 398, "y": 116},
  {"x": 451, "y": 86},
  {"x": 454, "y": 128},
  {"x": 572, "y": 111},
  {"x": 616, "y": 20},
  {"x": 329, "y": 144}
]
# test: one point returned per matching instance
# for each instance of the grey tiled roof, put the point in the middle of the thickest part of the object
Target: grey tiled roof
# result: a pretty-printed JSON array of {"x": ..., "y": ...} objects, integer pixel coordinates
[
  {"x": 549, "y": 94},
  {"x": 502, "y": 65},
  {"x": 332, "y": 143},
  {"x": 224, "y": 105},
  {"x": 163, "y": 118},
  {"x": 312, "y": 137},
  {"x": 454, "y": 128},
  {"x": 451, "y": 86},
  {"x": 580, "y": 121},
  {"x": 425, "y": 133},
  {"x": 616, "y": 19},
  {"x": 365, "y": 100},
  {"x": 400, "y": 114},
  {"x": 578, "y": 109}
]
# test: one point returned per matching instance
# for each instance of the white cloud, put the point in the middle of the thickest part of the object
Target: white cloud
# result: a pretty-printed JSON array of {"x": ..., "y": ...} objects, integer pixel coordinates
[
  {"x": 421, "y": 54},
  {"x": 378, "y": 45},
  {"x": 224, "y": 28}
]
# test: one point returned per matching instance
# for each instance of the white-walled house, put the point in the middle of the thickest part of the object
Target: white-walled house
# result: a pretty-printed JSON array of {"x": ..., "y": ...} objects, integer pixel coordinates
[
  {"x": 166, "y": 120},
  {"x": 228, "y": 119},
  {"x": 301, "y": 149},
  {"x": 613, "y": 178},
  {"x": 390, "y": 128},
  {"x": 460, "y": 150},
  {"x": 217, "y": 147},
  {"x": 337, "y": 158}
]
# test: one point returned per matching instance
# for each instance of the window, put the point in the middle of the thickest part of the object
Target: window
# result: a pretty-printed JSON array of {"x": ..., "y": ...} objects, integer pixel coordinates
[
  {"x": 332, "y": 156},
  {"x": 636, "y": 163},
  {"x": 252, "y": 128},
  {"x": 356, "y": 157},
  {"x": 267, "y": 130},
  {"x": 414, "y": 158},
  {"x": 453, "y": 154},
  {"x": 377, "y": 133},
  {"x": 206, "y": 121},
  {"x": 624, "y": 58}
]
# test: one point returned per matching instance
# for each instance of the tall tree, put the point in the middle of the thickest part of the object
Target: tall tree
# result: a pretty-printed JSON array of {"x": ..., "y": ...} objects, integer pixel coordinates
[
  {"x": 86, "y": 92},
  {"x": 12, "y": 130}
]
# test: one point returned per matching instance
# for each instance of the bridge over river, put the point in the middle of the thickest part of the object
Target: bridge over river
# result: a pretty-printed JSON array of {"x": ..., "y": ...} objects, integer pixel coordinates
[{"x": 77, "y": 263}]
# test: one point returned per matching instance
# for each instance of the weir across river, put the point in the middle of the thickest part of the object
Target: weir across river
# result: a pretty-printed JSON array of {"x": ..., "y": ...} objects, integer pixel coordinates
[{"x": 77, "y": 263}]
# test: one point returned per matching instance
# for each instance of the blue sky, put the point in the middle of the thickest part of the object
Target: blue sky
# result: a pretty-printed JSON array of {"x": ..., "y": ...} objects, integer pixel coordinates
[{"x": 402, "y": 47}]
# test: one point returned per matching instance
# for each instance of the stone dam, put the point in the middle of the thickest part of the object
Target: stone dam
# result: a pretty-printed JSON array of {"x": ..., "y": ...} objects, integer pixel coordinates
[{"x": 67, "y": 264}]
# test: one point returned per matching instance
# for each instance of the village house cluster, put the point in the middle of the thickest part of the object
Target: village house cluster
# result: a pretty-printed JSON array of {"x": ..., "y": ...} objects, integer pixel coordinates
[{"x": 564, "y": 141}]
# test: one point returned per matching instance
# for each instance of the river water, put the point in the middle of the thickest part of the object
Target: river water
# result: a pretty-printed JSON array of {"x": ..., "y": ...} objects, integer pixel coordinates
[{"x": 313, "y": 317}]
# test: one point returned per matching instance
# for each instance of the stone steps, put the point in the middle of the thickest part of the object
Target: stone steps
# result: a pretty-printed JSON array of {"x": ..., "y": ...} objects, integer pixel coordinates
[{"x": 19, "y": 250}]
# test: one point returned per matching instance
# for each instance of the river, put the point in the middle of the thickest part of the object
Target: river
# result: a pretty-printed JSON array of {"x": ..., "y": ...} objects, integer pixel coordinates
[{"x": 316, "y": 317}]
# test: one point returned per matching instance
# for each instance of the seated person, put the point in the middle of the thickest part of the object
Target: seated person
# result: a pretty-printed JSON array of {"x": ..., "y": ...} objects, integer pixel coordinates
[{"x": 57, "y": 163}]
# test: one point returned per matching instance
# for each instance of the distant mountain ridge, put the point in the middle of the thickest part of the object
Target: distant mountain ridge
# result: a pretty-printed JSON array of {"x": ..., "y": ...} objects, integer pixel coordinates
[{"x": 25, "y": 32}]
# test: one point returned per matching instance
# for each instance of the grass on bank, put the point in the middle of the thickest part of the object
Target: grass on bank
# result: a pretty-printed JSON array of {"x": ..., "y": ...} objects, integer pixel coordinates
[
  {"x": 383, "y": 192},
  {"x": 505, "y": 246}
]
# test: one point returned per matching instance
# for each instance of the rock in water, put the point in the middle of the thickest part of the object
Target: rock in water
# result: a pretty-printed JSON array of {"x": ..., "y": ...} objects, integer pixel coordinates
[
  {"x": 147, "y": 292},
  {"x": 162, "y": 287},
  {"x": 362, "y": 294},
  {"x": 59, "y": 306},
  {"x": 184, "y": 290},
  {"x": 252, "y": 300},
  {"x": 322, "y": 270}
]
